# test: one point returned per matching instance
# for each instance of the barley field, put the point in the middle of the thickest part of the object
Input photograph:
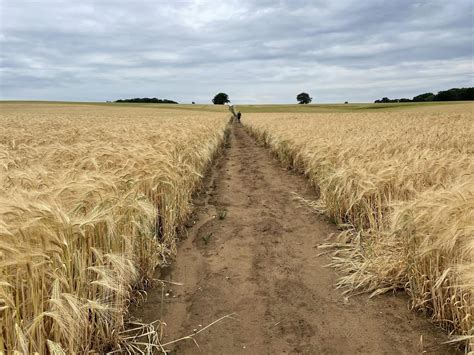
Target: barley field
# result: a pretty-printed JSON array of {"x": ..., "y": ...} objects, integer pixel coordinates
[
  {"x": 400, "y": 184},
  {"x": 91, "y": 201},
  {"x": 94, "y": 197}
]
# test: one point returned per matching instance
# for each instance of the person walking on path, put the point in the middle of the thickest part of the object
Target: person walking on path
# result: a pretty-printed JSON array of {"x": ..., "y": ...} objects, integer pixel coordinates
[{"x": 235, "y": 116}]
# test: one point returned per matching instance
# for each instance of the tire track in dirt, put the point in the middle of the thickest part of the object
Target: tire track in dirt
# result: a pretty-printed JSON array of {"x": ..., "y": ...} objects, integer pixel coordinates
[{"x": 259, "y": 260}]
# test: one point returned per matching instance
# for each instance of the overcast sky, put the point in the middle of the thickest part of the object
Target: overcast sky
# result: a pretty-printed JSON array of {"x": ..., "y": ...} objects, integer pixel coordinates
[{"x": 257, "y": 51}]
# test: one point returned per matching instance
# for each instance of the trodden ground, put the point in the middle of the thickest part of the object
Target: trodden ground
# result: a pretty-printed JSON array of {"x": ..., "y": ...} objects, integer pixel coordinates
[{"x": 253, "y": 252}]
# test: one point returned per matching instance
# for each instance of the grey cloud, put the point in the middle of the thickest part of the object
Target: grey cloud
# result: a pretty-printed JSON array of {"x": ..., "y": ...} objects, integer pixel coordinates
[{"x": 257, "y": 51}]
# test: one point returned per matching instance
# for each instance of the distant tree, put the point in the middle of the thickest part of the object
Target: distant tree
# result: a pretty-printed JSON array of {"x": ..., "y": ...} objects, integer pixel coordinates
[
  {"x": 303, "y": 98},
  {"x": 466, "y": 94},
  {"x": 221, "y": 99},
  {"x": 447, "y": 95},
  {"x": 455, "y": 94},
  {"x": 147, "y": 100},
  {"x": 386, "y": 100},
  {"x": 346, "y": 102},
  {"x": 427, "y": 96},
  {"x": 193, "y": 103}
]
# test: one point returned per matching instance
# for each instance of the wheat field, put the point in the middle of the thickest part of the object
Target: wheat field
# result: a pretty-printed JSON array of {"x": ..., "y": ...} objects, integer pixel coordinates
[
  {"x": 92, "y": 198},
  {"x": 401, "y": 186}
]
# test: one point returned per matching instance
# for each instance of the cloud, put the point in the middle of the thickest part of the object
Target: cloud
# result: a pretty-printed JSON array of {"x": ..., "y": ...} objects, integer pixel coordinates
[{"x": 255, "y": 50}]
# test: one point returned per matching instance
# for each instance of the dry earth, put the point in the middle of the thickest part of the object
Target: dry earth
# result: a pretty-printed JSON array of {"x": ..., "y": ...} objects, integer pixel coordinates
[{"x": 253, "y": 252}]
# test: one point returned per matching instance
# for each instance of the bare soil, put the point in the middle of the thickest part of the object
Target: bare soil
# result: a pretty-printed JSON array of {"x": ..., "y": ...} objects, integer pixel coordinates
[{"x": 253, "y": 251}]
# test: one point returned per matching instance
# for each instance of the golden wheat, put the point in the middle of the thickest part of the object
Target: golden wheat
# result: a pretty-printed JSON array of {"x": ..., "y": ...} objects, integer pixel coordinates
[
  {"x": 91, "y": 200},
  {"x": 403, "y": 183}
]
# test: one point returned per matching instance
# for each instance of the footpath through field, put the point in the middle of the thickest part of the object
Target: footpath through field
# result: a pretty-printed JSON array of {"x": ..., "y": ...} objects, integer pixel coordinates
[{"x": 253, "y": 252}]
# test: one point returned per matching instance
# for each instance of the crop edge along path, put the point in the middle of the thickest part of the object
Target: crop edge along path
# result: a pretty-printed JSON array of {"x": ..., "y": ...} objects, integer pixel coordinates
[
  {"x": 79, "y": 240},
  {"x": 348, "y": 249},
  {"x": 264, "y": 249},
  {"x": 153, "y": 330},
  {"x": 145, "y": 337}
]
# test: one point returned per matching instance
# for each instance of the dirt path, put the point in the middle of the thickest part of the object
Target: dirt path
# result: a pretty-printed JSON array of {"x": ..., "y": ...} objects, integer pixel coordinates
[{"x": 258, "y": 259}]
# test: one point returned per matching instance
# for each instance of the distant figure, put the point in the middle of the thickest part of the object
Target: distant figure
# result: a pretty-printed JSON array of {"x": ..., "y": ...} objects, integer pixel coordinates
[{"x": 238, "y": 116}]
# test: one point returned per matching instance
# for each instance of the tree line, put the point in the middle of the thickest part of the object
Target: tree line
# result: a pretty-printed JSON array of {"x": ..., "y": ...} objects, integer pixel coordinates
[
  {"x": 454, "y": 94},
  {"x": 147, "y": 100},
  {"x": 219, "y": 99}
]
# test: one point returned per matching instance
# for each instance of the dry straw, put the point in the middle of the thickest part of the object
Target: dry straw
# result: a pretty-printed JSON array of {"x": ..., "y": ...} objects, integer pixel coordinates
[
  {"x": 91, "y": 200},
  {"x": 402, "y": 186}
]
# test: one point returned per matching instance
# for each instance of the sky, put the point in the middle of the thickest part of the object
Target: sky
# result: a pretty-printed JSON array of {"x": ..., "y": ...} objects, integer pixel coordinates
[{"x": 256, "y": 51}]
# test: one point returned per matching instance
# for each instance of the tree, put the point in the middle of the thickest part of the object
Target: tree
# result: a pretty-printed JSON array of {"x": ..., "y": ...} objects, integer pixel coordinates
[
  {"x": 220, "y": 99},
  {"x": 447, "y": 95},
  {"x": 427, "y": 96},
  {"x": 304, "y": 98},
  {"x": 455, "y": 94},
  {"x": 467, "y": 94},
  {"x": 147, "y": 100}
]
